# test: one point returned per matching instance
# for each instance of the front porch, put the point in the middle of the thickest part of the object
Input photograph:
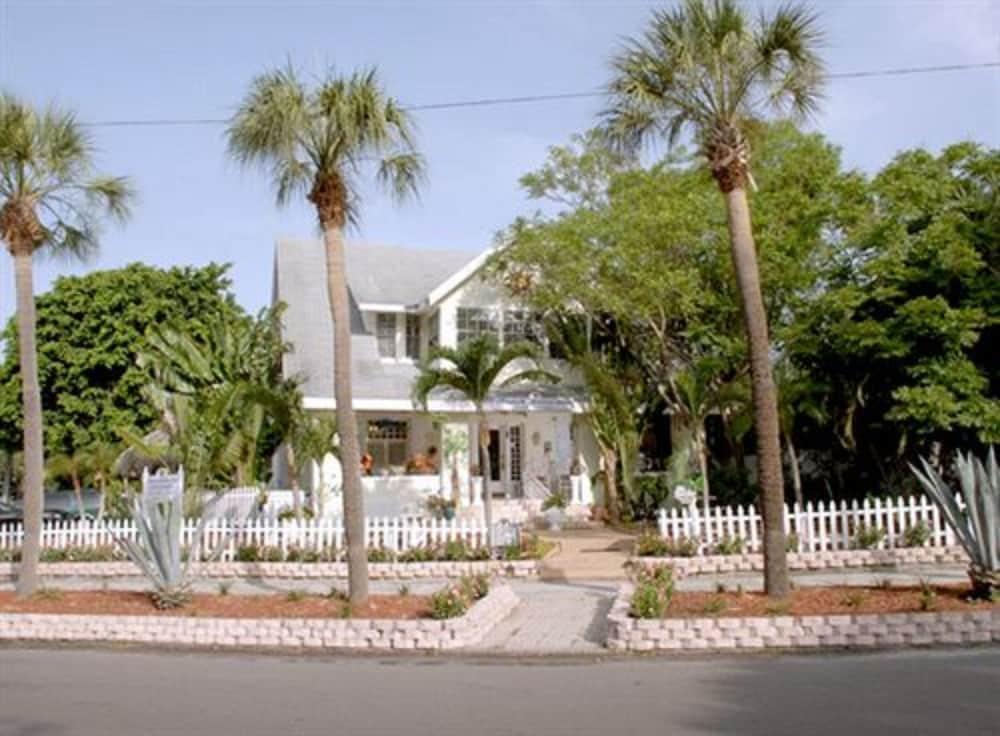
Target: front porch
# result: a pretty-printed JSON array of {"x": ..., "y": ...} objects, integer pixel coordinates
[{"x": 410, "y": 456}]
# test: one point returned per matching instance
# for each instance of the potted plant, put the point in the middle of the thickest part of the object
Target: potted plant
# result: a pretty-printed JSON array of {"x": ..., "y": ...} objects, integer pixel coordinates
[
  {"x": 440, "y": 507},
  {"x": 554, "y": 510}
]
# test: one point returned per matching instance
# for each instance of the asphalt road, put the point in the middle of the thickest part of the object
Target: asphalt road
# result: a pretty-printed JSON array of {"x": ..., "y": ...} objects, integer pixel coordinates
[{"x": 63, "y": 692}]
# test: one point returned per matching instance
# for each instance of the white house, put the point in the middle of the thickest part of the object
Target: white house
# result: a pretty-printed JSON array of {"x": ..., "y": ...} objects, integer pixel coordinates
[{"x": 403, "y": 302}]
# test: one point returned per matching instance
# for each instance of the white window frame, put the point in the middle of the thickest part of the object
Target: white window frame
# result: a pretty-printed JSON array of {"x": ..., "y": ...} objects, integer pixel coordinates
[
  {"x": 386, "y": 437},
  {"x": 384, "y": 340},
  {"x": 411, "y": 337}
]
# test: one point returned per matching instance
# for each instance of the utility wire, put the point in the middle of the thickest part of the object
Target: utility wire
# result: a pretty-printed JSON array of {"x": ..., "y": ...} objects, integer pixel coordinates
[{"x": 496, "y": 101}]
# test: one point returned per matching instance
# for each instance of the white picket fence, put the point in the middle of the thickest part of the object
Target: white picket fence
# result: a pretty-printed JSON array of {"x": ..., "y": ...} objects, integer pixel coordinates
[
  {"x": 391, "y": 533},
  {"x": 818, "y": 527}
]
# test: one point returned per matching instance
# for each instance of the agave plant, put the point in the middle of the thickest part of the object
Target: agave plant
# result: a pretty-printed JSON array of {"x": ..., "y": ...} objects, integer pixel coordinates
[
  {"x": 158, "y": 551},
  {"x": 975, "y": 526}
]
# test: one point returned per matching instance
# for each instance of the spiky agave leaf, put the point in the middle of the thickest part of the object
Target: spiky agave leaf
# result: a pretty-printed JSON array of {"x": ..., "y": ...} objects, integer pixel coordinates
[{"x": 976, "y": 526}]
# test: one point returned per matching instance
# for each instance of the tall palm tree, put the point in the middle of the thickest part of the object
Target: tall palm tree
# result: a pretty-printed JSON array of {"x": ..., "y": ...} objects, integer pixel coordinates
[
  {"x": 318, "y": 142},
  {"x": 50, "y": 199},
  {"x": 474, "y": 371},
  {"x": 707, "y": 67}
]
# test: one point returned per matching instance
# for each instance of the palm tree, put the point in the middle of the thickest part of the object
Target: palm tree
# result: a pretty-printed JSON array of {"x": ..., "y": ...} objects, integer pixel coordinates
[
  {"x": 708, "y": 68},
  {"x": 474, "y": 371},
  {"x": 318, "y": 142},
  {"x": 50, "y": 199},
  {"x": 75, "y": 466}
]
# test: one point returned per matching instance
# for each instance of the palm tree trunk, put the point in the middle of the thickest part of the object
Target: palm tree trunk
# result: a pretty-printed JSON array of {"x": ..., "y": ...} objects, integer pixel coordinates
[
  {"x": 611, "y": 485},
  {"x": 347, "y": 427},
  {"x": 793, "y": 464},
  {"x": 484, "y": 451},
  {"x": 702, "y": 448},
  {"x": 293, "y": 480},
  {"x": 78, "y": 492},
  {"x": 765, "y": 399},
  {"x": 34, "y": 461}
]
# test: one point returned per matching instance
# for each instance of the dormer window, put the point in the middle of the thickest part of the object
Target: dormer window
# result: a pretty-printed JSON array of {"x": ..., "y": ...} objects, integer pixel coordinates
[{"x": 385, "y": 333}]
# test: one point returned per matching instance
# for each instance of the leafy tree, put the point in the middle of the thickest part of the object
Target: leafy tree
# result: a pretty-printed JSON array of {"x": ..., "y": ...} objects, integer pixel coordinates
[
  {"x": 91, "y": 329},
  {"x": 904, "y": 336},
  {"x": 216, "y": 396},
  {"x": 708, "y": 67},
  {"x": 475, "y": 369},
  {"x": 50, "y": 200},
  {"x": 318, "y": 142}
]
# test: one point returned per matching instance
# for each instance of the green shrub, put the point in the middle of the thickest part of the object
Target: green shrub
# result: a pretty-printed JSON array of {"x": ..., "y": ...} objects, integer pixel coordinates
[
  {"x": 682, "y": 547},
  {"x": 10, "y": 555},
  {"x": 917, "y": 535},
  {"x": 792, "y": 542},
  {"x": 475, "y": 587},
  {"x": 288, "y": 514},
  {"x": 730, "y": 546},
  {"x": 555, "y": 501},
  {"x": 654, "y": 589},
  {"x": 380, "y": 554},
  {"x": 651, "y": 544},
  {"x": 868, "y": 537},
  {"x": 418, "y": 554},
  {"x": 248, "y": 553},
  {"x": 450, "y": 602},
  {"x": 646, "y": 602},
  {"x": 455, "y": 600},
  {"x": 715, "y": 606},
  {"x": 294, "y": 596},
  {"x": 652, "y": 492},
  {"x": 302, "y": 554}
]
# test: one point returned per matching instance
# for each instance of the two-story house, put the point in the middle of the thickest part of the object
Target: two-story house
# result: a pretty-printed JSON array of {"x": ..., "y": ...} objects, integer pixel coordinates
[{"x": 403, "y": 302}]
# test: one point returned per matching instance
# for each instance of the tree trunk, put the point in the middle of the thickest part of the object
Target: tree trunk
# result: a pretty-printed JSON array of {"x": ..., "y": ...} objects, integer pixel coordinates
[
  {"x": 793, "y": 464},
  {"x": 347, "y": 427},
  {"x": 701, "y": 445},
  {"x": 34, "y": 461},
  {"x": 765, "y": 399},
  {"x": 293, "y": 480},
  {"x": 484, "y": 452},
  {"x": 611, "y": 485},
  {"x": 78, "y": 492}
]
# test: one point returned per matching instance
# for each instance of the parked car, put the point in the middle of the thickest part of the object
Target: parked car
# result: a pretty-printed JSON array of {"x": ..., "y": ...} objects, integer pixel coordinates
[
  {"x": 12, "y": 515},
  {"x": 64, "y": 502}
]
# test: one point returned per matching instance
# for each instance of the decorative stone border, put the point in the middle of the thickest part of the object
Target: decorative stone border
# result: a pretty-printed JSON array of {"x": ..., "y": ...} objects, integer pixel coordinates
[
  {"x": 709, "y": 564},
  {"x": 368, "y": 634},
  {"x": 626, "y": 634},
  {"x": 519, "y": 569}
]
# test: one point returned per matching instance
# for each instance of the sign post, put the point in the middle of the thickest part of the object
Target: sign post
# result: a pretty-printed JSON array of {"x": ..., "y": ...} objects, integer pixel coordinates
[{"x": 162, "y": 487}]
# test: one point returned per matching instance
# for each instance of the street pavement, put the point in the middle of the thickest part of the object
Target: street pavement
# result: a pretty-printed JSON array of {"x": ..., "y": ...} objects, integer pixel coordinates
[{"x": 74, "y": 692}]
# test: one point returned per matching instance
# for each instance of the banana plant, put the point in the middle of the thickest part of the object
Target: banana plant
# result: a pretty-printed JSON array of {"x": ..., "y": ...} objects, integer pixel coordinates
[
  {"x": 158, "y": 550},
  {"x": 975, "y": 526}
]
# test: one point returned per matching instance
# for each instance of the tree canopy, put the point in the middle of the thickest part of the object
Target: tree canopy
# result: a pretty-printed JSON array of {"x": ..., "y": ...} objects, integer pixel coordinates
[{"x": 90, "y": 331}]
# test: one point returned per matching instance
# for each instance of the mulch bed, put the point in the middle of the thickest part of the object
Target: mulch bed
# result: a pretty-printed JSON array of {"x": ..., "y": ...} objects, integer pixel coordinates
[
  {"x": 203, "y": 605},
  {"x": 823, "y": 601}
]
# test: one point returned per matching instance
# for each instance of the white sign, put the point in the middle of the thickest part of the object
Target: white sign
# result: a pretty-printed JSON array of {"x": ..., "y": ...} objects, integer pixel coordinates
[
  {"x": 162, "y": 487},
  {"x": 685, "y": 496}
]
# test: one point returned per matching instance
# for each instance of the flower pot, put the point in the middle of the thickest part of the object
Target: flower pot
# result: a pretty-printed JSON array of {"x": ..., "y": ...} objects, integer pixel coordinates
[{"x": 448, "y": 513}]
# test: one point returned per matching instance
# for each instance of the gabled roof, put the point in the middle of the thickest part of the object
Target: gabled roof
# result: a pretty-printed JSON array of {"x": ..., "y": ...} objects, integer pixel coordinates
[
  {"x": 385, "y": 274},
  {"x": 376, "y": 274}
]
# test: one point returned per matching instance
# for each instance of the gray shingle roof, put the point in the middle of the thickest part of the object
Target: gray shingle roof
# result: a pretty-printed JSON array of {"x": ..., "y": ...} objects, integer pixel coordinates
[{"x": 375, "y": 274}]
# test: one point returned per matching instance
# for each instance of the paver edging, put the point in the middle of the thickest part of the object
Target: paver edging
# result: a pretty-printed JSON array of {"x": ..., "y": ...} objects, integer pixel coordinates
[
  {"x": 358, "y": 634},
  {"x": 831, "y": 559},
  {"x": 708, "y": 633},
  {"x": 519, "y": 569}
]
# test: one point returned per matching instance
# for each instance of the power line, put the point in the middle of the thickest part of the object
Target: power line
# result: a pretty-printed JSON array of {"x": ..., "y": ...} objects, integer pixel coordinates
[{"x": 524, "y": 99}]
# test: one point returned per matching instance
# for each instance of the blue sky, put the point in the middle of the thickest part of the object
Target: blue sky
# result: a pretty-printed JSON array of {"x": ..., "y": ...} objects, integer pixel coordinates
[{"x": 147, "y": 59}]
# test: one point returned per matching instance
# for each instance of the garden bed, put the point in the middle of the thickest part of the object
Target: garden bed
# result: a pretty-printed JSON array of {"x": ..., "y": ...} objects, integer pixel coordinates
[
  {"x": 296, "y": 570},
  {"x": 827, "y": 560},
  {"x": 291, "y": 605},
  {"x": 389, "y": 622},
  {"x": 814, "y": 617}
]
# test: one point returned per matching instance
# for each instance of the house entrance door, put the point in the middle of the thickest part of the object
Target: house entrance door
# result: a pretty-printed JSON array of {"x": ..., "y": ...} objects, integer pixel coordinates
[{"x": 505, "y": 461}]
